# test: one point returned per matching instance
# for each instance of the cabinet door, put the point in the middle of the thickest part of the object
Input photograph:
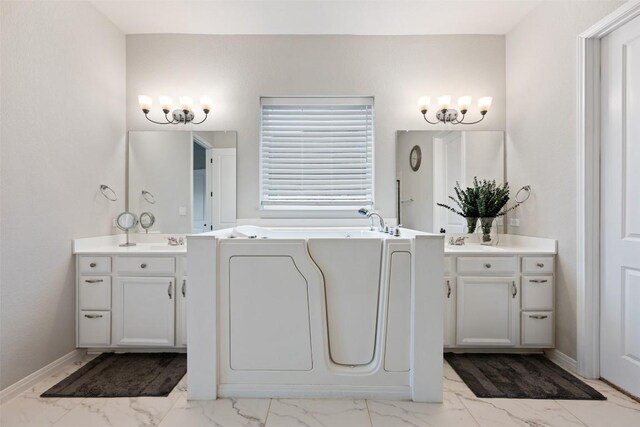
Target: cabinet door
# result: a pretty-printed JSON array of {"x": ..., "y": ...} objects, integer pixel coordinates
[
  {"x": 144, "y": 310},
  {"x": 487, "y": 311},
  {"x": 449, "y": 311},
  {"x": 181, "y": 317}
]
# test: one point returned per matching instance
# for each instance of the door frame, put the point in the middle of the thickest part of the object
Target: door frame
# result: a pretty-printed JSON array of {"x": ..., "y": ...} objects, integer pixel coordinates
[{"x": 588, "y": 191}]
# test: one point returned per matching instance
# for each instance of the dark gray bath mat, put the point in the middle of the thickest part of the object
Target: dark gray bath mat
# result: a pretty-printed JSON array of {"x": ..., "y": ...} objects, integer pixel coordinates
[
  {"x": 124, "y": 375},
  {"x": 519, "y": 376}
]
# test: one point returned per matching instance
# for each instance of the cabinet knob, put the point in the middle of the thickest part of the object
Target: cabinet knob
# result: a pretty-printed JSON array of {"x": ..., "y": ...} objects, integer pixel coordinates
[
  {"x": 94, "y": 281},
  {"x": 538, "y": 280},
  {"x": 540, "y": 265},
  {"x": 448, "y": 289},
  {"x": 538, "y": 316},
  {"x": 514, "y": 290},
  {"x": 184, "y": 288},
  {"x": 487, "y": 265},
  {"x": 92, "y": 265},
  {"x": 169, "y": 291},
  {"x": 143, "y": 265}
]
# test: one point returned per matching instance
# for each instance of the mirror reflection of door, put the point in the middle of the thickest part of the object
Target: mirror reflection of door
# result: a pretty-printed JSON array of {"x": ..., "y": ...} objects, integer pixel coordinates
[{"x": 200, "y": 189}]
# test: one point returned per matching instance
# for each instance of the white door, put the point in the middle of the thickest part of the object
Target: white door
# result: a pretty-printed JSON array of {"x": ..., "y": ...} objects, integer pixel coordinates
[
  {"x": 448, "y": 170},
  {"x": 223, "y": 188},
  {"x": 620, "y": 208},
  {"x": 144, "y": 310},
  {"x": 487, "y": 311},
  {"x": 199, "y": 201}
]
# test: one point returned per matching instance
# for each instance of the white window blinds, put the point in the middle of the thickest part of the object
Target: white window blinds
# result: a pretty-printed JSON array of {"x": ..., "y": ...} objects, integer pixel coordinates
[{"x": 316, "y": 153}]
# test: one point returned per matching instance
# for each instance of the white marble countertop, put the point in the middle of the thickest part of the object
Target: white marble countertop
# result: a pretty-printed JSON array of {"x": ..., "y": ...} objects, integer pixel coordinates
[
  {"x": 508, "y": 244},
  {"x": 146, "y": 244}
]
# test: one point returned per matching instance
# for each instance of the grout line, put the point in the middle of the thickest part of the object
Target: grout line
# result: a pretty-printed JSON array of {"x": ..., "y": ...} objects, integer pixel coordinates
[
  {"x": 268, "y": 412},
  {"x": 366, "y": 403}
]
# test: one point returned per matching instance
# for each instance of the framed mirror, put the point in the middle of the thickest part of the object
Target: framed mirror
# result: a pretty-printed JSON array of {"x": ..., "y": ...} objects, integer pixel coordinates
[
  {"x": 446, "y": 157},
  {"x": 185, "y": 180}
]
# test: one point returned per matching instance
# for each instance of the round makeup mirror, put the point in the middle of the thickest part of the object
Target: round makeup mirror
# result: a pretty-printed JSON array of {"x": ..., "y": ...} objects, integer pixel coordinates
[
  {"x": 125, "y": 222},
  {"x": 147, "y": 220}
]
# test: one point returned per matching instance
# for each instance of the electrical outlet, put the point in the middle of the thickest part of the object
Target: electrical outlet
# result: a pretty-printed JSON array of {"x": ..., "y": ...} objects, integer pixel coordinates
[{"x": 514, "y": 222}]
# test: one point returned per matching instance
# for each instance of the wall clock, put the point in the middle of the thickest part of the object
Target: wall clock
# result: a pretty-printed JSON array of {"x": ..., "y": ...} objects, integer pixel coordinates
[{"x": 415, "y": 158}]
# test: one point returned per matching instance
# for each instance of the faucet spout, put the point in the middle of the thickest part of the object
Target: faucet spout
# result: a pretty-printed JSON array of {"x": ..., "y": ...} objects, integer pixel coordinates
[{"x": 370, "y": 214}]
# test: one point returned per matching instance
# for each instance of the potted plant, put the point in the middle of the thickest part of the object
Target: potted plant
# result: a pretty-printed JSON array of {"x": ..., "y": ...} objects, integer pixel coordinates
[{"x": 485, "y": 200}]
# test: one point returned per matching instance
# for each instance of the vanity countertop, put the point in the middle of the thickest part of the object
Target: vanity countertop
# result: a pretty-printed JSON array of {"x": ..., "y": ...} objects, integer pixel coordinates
[
  {"x": 508, "y": 244},
  {"x": 146, "y": 244}
]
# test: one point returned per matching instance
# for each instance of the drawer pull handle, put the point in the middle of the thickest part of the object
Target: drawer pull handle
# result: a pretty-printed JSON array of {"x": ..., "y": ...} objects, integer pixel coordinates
[
  {"x": 169, "y": 291},
  {"x": 143, "y": 265},
  {"x": 93, "y": 316},
  {"x": 540, "y": 265},
  {"x": 538, "y": 316},
  {"x": 94, "y": 281},
  {"x": 92, "y": 265},
  {"x": 514, "y": 290},
  {"x": 184, "y": 288},
  {"x": 538, "y": 280},
  {"x": 487, "y": 265},
  {"x": 448, "y": 289}
]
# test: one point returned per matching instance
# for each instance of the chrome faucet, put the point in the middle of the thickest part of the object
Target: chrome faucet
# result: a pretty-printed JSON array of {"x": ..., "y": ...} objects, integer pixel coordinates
[
  {"x": 457, "y": 242},
  {"x": 370, "y": 214}
]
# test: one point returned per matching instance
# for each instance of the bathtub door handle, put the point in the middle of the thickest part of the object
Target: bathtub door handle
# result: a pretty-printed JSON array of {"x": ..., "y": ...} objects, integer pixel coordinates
[
  {"x": 448, "y": 289},
  {"x": 514, "y": 290}
]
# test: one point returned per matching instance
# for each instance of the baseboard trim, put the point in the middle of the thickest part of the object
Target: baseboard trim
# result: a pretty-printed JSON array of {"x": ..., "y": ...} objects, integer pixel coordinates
[
  {"x": 32, "y": 379},
  {"x": 315, "y": 391},
  {"x": 562, "y": 360}
]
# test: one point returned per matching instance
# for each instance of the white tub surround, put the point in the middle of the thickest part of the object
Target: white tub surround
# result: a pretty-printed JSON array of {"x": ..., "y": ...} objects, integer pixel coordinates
[
  {"x": 130, "y": 297},
  {"x": 500, "y": 297},
  {"x": 311, "y": 312}
]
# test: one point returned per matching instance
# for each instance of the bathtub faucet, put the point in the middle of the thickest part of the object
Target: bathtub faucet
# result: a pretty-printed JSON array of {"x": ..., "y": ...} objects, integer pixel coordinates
[{"x": 369, "y": 214}]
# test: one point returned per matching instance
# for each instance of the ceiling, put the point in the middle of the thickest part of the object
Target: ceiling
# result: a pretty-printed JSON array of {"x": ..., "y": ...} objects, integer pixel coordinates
[{"x": 359, "y": 17}]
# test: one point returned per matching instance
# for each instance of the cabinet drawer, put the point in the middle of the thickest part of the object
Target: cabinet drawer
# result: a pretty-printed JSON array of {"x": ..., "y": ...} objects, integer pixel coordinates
[
  {"x": 448, "y": 263},
  {"x": 94, "y": 328},
  {"x": 537, "y": 328},
  {"x": 146, "y": 265},
  {"x": 537, "y": 265},
  {"x": 95, "y": 293},
  {"x": 537, "y": 292},
  {"x": 489, "y": 265},
  {"x": 95, "y": 264}
]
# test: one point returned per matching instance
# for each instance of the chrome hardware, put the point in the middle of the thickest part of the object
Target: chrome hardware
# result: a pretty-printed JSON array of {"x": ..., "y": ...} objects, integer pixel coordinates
[
  {"x": 175, "y": 241},
  {"x": 448, "y": 289},
  {"x": 514, "y": 289},
  {"x": 108, "y": 193},
  {"x": 184, "y": 290},
  {"x": 143, "y": 265},
  {"x": 539, "y": 265},
  {"x": 538, "y": 316},
  {"x": 457, "y": 242},
  {"x": 94, "y": 281},
  {"x": 92, "y": 265},
  {"x": 169, "y": 291},
  {"x": 538, "y": 280},
  {"x": 487, "y": 265},
  {"x": 396, "y": 232},
  {"x": 93, "y": 316},
  {"x": 370, "y": 214}
]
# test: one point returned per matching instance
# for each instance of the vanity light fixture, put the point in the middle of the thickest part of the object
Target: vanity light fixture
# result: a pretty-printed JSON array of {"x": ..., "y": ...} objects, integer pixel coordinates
[
  {"x": 183, "y": 114},
  {"x": 451, "y": 115}
]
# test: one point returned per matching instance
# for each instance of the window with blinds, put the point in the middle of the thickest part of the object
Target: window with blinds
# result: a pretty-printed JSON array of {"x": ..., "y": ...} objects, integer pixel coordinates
[{"x": 316, "y": 153}]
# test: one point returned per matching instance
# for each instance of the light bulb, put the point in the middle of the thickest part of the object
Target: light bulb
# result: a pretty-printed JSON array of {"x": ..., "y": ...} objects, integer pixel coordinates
[
  {"x": 464, "y": 102},
  {"x": 165, "y": 103},
  {"x": 484, "y": 103},
  {"x": 186, "y": 103},
  {"x": 145, "y": 103},
  {"x": 205, "y": 103},
  {"x": 444, "y": 102},
  {"x": 423, "y": 103}
]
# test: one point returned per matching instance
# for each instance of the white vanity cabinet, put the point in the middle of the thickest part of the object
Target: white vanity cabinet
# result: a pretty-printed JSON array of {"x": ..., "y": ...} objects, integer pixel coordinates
[
  {"x": 500, "y": 300},
  {"x": 131, "y": 299}
]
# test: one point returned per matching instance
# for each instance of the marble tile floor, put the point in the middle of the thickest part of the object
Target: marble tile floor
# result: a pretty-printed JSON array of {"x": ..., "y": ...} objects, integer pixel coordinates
[{"x": 460, "y": 409}]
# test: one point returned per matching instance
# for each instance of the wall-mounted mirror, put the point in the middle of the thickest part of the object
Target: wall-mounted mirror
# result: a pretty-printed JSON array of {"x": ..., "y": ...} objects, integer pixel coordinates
[
  {"x": 428, "y": 165},
  {"x": 186, "y": 180}
]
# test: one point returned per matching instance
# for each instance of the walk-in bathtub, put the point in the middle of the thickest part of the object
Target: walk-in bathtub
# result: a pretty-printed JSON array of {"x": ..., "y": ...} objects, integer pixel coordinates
[{"x": 315, "y": 312}]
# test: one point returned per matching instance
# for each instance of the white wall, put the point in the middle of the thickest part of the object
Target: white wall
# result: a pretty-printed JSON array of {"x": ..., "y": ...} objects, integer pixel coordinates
[
  {"x": 541, "y": 140},
  {"x": 236, "y": 70},
  {"x": 63, "y": 126}
]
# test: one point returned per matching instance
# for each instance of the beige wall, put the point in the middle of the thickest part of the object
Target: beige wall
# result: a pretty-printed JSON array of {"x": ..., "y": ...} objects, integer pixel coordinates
[
  {"x": 541, "y": 57},
  {"x": 236, "y": 70},
  {"x": 63, "y": 127}
]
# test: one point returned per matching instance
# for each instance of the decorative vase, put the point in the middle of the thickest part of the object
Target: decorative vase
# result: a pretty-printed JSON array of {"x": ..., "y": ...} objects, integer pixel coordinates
[
  {"x": 472, "y": 223},
  {"x": 488, "y": 231}
]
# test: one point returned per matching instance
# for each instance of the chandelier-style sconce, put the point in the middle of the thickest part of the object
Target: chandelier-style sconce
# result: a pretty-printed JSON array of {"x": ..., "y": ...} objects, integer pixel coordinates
[
  {"x": 183, "y": 114},
  {"x": 450, "y": 115}
]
